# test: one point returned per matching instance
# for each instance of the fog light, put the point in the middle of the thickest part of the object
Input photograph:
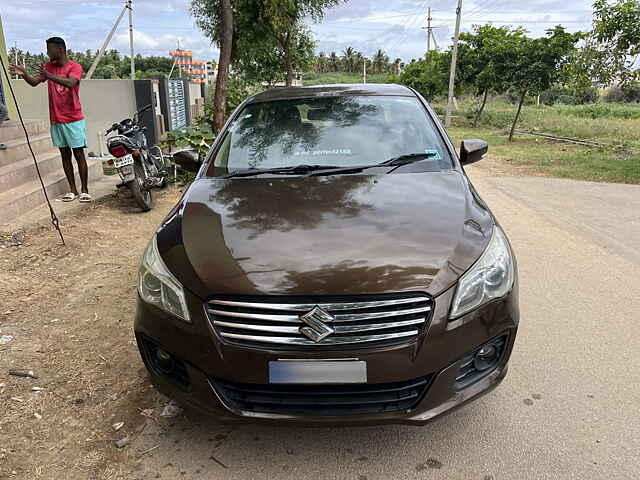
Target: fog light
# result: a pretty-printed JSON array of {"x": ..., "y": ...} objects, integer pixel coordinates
[
  {"x": 165, "y": 362},
  {"x": 485, "y": 357}
]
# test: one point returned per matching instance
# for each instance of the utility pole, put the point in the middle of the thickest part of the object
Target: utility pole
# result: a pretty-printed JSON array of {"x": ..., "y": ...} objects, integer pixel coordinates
[
  {"x": 429, "y": 32},
  {"x": 364, "y": 70},
  {"x": 15, "y": 54},
  {"x": 133, "y": 62},
  {"x": 106, "y": 43},
  {"x": 454, "y": 58}
]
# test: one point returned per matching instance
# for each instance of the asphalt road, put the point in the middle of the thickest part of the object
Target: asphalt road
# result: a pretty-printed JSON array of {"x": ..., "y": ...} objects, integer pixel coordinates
[{"x": 569, "y": 408}]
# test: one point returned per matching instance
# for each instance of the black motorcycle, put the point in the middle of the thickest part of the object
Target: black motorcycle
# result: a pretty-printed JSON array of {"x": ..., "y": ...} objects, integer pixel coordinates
[{"x": 140, "y": 167}]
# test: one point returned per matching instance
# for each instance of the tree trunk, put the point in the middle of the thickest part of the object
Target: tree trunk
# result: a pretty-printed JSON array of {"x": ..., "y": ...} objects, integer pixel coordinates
[
  {"x": 290, "y": 72},
  {"x": 515, "y": 120},
  {"x": 479, "y": 114},
  {"x": 222, "y": 80}
]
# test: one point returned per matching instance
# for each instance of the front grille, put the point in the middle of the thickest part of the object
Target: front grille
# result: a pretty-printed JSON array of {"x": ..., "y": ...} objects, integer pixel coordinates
[
  {"x": 322, "y": 400},
  {"x": 371, "y": 319}
]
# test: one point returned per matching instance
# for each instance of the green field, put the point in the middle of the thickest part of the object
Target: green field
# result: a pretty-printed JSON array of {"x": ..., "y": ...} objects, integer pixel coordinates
[
  {"x": 310, "y": 79},
  {"x": 615, "y": 126}
]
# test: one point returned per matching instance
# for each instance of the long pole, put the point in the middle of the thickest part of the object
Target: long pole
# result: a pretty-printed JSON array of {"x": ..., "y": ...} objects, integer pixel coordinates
[
  {"x": 133, "y": 62},
  {"x": 105, "y": 44},
  {"x": 428, "y": 34},
  {"x": 15, "y": 54},
  {"x": 435, "y": 42},
  {"x": 364, "y": 70},
  {"x": 172, "y": 67},
  {"x": 454, "y": 58}
]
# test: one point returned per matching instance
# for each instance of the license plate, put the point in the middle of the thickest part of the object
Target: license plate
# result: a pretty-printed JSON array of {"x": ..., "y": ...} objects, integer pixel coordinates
[
  {"x": 123, "y": 161},
  {"x": 325, "y": 371}
]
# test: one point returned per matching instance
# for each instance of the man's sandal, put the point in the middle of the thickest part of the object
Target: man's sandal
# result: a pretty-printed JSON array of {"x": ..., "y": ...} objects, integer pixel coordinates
[
  {"x": 69, "y": 197},
  {"x": 85, "y": 198}
]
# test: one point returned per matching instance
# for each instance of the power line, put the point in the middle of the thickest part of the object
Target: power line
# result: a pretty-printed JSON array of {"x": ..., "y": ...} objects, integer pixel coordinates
[{"x": 408, "y": 27}]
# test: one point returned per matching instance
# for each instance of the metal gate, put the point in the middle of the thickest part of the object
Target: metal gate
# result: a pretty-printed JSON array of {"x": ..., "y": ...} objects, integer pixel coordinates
[{"x": 177, "y": 105}]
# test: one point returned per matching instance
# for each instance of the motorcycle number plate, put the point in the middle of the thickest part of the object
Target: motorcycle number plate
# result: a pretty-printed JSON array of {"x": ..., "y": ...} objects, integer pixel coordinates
[{"x": 123, "y": 161}]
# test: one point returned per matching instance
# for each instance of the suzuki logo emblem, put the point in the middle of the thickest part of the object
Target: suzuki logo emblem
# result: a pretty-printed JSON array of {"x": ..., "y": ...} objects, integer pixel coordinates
[{"x": 317, "y": 320}]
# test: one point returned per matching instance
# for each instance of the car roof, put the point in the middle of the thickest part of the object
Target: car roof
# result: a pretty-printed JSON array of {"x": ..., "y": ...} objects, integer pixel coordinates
[{"x": 338, "y": 90}]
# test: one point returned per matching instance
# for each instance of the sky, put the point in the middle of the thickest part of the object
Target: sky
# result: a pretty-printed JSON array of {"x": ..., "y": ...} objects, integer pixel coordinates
[{"x": 366, "y": 25}]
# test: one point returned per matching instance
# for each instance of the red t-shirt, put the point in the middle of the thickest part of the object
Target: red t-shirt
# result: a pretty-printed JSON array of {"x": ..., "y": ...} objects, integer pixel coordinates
[{"x": 64, "y": 103}]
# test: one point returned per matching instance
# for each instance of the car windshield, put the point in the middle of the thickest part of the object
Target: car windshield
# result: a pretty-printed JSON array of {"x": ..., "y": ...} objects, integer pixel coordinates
[{"x": 341, "y": 131}]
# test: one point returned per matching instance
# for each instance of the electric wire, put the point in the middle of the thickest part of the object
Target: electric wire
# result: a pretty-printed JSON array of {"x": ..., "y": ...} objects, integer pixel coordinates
[{"x": 54, "y": 218}]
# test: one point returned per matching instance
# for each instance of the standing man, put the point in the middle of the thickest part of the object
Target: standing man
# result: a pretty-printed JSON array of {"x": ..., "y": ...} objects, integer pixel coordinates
[{"x": 67, "y": 121}]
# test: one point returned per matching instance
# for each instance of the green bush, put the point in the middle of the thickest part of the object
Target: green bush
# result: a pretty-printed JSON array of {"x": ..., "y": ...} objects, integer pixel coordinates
[
  {"x": 569, "y": 96},
  {"x": 513, "y": 96},
  {"x": 604, "y": 110},
  {"x": 428, "y": 78},
  {"x": 330, "y": 78},
  {"x": 627, "y": 94}
]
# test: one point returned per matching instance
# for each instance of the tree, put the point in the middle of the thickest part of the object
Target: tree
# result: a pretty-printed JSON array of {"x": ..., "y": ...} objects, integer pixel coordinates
[
  {"x": 429, "y": 76},
  {"x": 349, "y": 59},
  {"x": 321, "y": 63},
  {"x": 477, "y": 61},
  {"x": 283, "y": 21},
  {"x": 111, "y": 66},
  {"x": 266, "y": 59},
  {"x": 216, "y": 19},
  {"x": 534, "y": 64},
  {"x": 380, "y": 61},
  {"x": 615, "y": 40},
  {"x": 334, "y": 62}
]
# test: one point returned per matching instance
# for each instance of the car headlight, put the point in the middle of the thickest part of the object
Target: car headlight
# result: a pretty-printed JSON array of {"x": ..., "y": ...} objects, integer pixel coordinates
[
  {"x": 157, "y": 286},
  {"x": 490, "y": 277}
]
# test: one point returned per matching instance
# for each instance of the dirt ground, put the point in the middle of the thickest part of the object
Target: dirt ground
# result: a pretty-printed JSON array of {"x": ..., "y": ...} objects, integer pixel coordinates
[
  {"x": 69, "y": 310},
  {"x": 568, "y": 408}
]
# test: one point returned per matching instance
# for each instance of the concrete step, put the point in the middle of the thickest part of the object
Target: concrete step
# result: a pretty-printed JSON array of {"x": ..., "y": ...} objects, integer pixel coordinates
[
  {"x": 23, "y": 198},
  {"x": 19, "y": 150},
  {"x": 12, "y": 129},
  {"x": 24, "y": 171}
]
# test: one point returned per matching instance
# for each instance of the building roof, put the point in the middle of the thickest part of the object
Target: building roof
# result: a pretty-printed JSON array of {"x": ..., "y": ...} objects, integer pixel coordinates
[{"x": 375, "y": 89}]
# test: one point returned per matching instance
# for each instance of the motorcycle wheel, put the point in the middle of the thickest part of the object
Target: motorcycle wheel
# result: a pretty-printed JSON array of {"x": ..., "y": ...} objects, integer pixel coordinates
[
  {"x": 160, "y": 164},
  {"x": 140, "y": 194}
]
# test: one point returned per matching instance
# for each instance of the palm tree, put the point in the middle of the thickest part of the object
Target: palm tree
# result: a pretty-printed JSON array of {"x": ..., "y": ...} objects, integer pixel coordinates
[
  {"x": 348, "y": 56},
  {"x": 358, "y": 60},
  {"x": 321, "y": 63},
  {"x": 380, "y": 61},
  {"x": 334, "y": 62}
]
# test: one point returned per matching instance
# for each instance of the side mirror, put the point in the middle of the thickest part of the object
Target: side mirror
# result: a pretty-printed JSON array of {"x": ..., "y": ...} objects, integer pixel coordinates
[
  {"x": 188, "y": 160},
  {"x": 472, "y": 150}
]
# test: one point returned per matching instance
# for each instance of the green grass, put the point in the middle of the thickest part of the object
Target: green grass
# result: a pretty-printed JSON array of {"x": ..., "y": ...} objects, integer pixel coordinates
[
  {"x": 556, "y": 159},
  {"x": 612, "y": 124},
  {"x": 310, "y": 79}
]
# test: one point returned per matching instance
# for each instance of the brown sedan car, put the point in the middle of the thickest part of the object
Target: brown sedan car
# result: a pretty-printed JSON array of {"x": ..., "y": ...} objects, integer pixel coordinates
[{"x": 330, "y": 264}]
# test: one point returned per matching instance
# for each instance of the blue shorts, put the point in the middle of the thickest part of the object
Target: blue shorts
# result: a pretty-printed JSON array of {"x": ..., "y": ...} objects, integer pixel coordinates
[{"x": 69, "y": 135}]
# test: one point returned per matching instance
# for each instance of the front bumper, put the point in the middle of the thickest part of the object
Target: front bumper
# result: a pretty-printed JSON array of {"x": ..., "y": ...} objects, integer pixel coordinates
[{"x": 437, "y": 353}]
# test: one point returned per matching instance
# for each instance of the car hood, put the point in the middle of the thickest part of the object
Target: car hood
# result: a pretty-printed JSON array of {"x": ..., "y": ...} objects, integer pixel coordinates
[{"x": 349, "y": 234}]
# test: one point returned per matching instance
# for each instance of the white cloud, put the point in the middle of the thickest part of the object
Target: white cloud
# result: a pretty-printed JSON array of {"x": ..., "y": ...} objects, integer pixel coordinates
[{"x": 393, "y": 25}]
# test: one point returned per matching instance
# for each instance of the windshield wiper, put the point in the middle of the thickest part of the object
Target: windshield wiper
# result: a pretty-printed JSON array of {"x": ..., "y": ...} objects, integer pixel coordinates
[
  {"x": 330, "y": 169},
  {"x": 295, "y": 170},
  {"x": 392, "y": 162},
  {"x": 408, "y": 158}
]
